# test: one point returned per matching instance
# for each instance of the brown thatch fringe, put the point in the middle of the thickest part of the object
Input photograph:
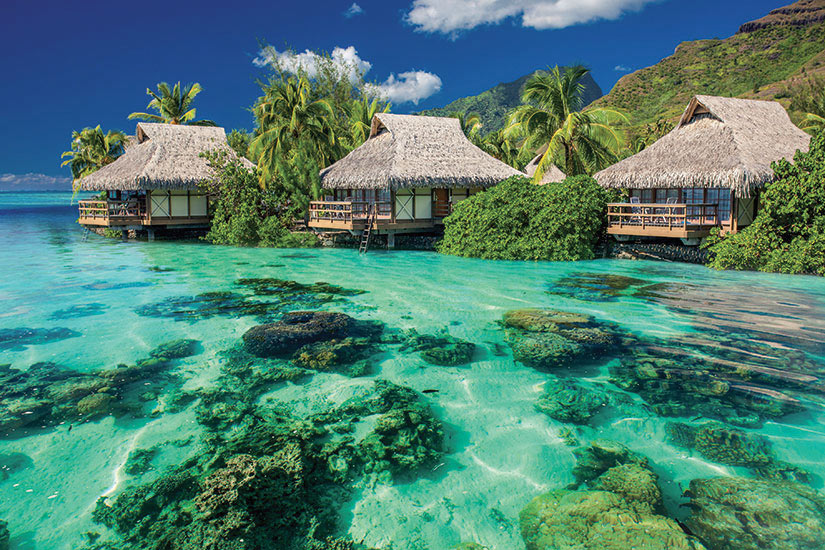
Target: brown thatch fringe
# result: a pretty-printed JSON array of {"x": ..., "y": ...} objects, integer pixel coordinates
[
  {"x": 162, "y": 156},
  {"x": 415, "y": 151},
  {"x": 719, "y": 142},
  {"x": 553, "y": 175}
]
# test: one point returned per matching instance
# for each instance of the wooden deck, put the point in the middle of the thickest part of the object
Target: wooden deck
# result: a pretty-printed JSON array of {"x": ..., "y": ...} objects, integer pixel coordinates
[
  {"x": 352, "y": 216},
  {"x": 681, "y": 221},
  {"x": 129, "y": 213}
]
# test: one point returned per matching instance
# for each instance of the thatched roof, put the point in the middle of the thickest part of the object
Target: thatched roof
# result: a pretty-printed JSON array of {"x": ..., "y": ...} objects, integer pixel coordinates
[
  {"x": 161, "y": 156},
  {"x": 553, "y": 175},
  {"x": 415, "y": 151},
  {"x": 719, "y": 142}
]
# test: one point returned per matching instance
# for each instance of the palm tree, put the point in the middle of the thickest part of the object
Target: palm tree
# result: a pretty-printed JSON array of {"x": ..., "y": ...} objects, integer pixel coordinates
[
  {"x": 578, "y": 142},
  {"x": 813, "y": 123},
  {"x": 360, "y": 117},
  {"x": 296, "y": 137},
  {"x": 173, "y": 106},
  {"x": 92, "y": 150},
  {"x": 502, "y": 146},
  {"x": 470, "y": 125}
]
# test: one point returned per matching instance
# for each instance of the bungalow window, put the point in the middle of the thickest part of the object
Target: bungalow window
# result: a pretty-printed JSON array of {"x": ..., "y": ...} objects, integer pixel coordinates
[
  {"x": 724, "y": 205},
  {"x": 647, "y": 196}
]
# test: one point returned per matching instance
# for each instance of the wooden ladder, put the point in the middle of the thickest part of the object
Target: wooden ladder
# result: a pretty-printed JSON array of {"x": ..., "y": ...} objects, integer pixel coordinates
[{"x": 365, "y": 235}]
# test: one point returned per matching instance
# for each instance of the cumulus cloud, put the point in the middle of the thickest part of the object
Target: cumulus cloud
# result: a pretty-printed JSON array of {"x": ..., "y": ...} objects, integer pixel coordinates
[
  {"x": 450, "y": 16},
  {"x": 353, "y": 10},
  {"x": 345, "y": 60},
  {"x": 622, "y": 69},
  {"x": 407, "y": 87},
  {"x": 410, "y": 86},
  {"x": 33, "y": 182}
]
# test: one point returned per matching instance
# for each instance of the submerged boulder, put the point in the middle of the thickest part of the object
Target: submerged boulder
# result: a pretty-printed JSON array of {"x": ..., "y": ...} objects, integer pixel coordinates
[
  {"x": 442, "y": 350},
  {"x": 736, "y": 513},
  {"x": 5, "y": 536},
  {"x": 294, "y": 330},
  {"x": 548, "y": 339},
  {"x": 597, "y": 520},
  {"x": 600, "y": 456},
  {"x": 567, "y": 401}
]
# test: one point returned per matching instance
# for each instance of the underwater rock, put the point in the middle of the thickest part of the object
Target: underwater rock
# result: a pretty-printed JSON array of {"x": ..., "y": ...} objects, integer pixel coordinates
[
  {"x": 283, "y": 288},
  {"x": 600, "y": 456},
  {"x": 80, "y": 310},
  {"x": 634, "y": 483},
  {"x": 715, "y": 441},
  {"x": 597, "y": 520},
  {"x": 139, "y": 461},
  {"x": 5, "y": 536},
  {"x": 595, "y": 287},
  {"x": 442, "y": 350},
  {"x": 206, "y": 305},
  {"x": 13, "y": 462},
  {"x": 567, "y": 401},
  {"x": 547, "y": 339},
  {"x": 294, "y": 330},
  {"x": 735, "y": 513},
  {"x": 334, "y": 354},
  {"x": 18, "y": 339},
  {"x": 46, "y": 394}
]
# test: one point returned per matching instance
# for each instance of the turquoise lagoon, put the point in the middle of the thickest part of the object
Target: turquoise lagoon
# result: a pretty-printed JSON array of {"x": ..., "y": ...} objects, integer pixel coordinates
[{"x": 499, "y": 450}]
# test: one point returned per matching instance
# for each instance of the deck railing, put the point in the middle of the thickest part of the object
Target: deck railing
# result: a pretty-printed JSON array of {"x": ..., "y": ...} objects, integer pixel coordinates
[
  {"x": 111, "y": 209},
  {"x": 347, "y": 211},
  {"x": 673, "y": 216}
]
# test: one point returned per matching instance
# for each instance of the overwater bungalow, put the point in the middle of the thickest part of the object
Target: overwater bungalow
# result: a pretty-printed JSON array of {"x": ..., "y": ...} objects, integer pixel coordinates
[
  {"x": 551, "y": 175},
  {"x": 405, "y": 178},
  {"x": 155, "y": 183},
  {"x": 706, "y": 173}
]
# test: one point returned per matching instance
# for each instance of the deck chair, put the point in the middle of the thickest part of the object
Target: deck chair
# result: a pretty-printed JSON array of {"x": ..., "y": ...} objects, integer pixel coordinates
[{"x": 636, "y": 211}]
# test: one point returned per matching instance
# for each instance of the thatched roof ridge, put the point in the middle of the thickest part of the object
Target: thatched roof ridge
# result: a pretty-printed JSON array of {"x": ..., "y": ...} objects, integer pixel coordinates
[
  {"x": 553, "y": 175},
  {"x": 161, "y": 156},
  {"x": 415, "y": 151},
  {"x": 719, "y": 142}
]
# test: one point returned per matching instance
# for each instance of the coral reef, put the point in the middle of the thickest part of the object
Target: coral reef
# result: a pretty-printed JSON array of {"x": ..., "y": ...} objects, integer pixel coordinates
[
  {"x": 139, "y": 461},
  {"x": 601, "y": 455},
  {"x": 715, "y": 441},
  {"x": 5, "y": 536},
  {"x": 18, "y": 339},
  {"x": 548, "y": 339},
  {"x": 13, "y": 462},
  {"x": 567, "y": 401},
  {"x": 46, "y": 394},
  {"x": 735, "y": 513},
  {"x": 442, "y": 350},
  {"x": 292, "y": 289},
  {"x": 79, "y": 310},
  {"x": 595, "y": 287},
  {"x": 294, "y": 330}
]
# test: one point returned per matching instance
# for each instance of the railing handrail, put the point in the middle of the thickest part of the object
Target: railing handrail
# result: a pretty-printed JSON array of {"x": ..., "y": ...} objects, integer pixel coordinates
[{"x": 656, "y": 214}]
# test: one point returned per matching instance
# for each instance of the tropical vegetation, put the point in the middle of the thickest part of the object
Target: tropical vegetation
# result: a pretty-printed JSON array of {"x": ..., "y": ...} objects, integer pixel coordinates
[
  {"x": 173, "y": 105},
  {"x": 245, "y": 214},
  {"x": 788, "y": 234},
  {"x": 808, "y": 98},
  {"x": 517, "y": 220},
  {"x": 92, "y": 149},
  {"x": 550, "y": 118}
]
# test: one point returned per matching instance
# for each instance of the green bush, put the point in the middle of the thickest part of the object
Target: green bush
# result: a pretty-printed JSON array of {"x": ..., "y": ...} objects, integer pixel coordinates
[
  {"x": 518, "y": 220},
  {"x": 244, "y": 214},
  {"x": 788, "y": 234}
]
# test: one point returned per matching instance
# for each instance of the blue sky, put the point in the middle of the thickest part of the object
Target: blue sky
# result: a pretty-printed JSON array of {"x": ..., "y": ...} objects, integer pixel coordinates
[{"x": 73, "y": 64}]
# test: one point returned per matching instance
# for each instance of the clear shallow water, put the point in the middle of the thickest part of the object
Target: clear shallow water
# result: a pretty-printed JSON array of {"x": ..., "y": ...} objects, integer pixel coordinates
[{"x": 500, "y": 451}]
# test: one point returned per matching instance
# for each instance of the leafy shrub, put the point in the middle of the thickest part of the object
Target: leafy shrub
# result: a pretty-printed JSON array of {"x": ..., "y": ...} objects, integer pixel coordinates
[
  {"x": 517, "y": 220},
  {"x": 244, "y": 214},
  {"x": 788, "y": 234}
]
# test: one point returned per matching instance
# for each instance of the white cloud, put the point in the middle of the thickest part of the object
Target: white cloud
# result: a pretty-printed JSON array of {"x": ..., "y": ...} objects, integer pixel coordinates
[
  {"x": 32, "y": 181},
  {"x": 411, "y": 86},
  {"x": 346, "y": 60},
  {"x": 450, "y": 16},
  {"x": 622, "y": 69},
  {"x": 353, "y": 10},
  {"x": 407, "y": 87}
]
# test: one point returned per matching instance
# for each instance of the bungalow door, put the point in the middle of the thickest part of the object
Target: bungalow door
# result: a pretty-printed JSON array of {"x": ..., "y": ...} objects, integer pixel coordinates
[{"x": 441, "y": 203}]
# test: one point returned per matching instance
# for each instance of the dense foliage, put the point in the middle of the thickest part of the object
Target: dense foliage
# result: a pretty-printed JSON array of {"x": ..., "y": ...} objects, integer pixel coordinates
[
  {"x": 517, "y": 220},
  {"x": 244, "y": 214},
  {"x": 808, "y": 98},
  {"x": 788, "y": 235}
]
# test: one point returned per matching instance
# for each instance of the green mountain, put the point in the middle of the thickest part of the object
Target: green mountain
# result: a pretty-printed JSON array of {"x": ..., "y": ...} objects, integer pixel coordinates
[
  {"x": 760, "y": 61},
  {"x": 494, "y": 104}
]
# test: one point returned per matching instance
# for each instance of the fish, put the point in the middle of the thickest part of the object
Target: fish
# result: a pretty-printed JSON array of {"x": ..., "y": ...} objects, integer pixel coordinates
[{"x": 430, "y": 391}]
